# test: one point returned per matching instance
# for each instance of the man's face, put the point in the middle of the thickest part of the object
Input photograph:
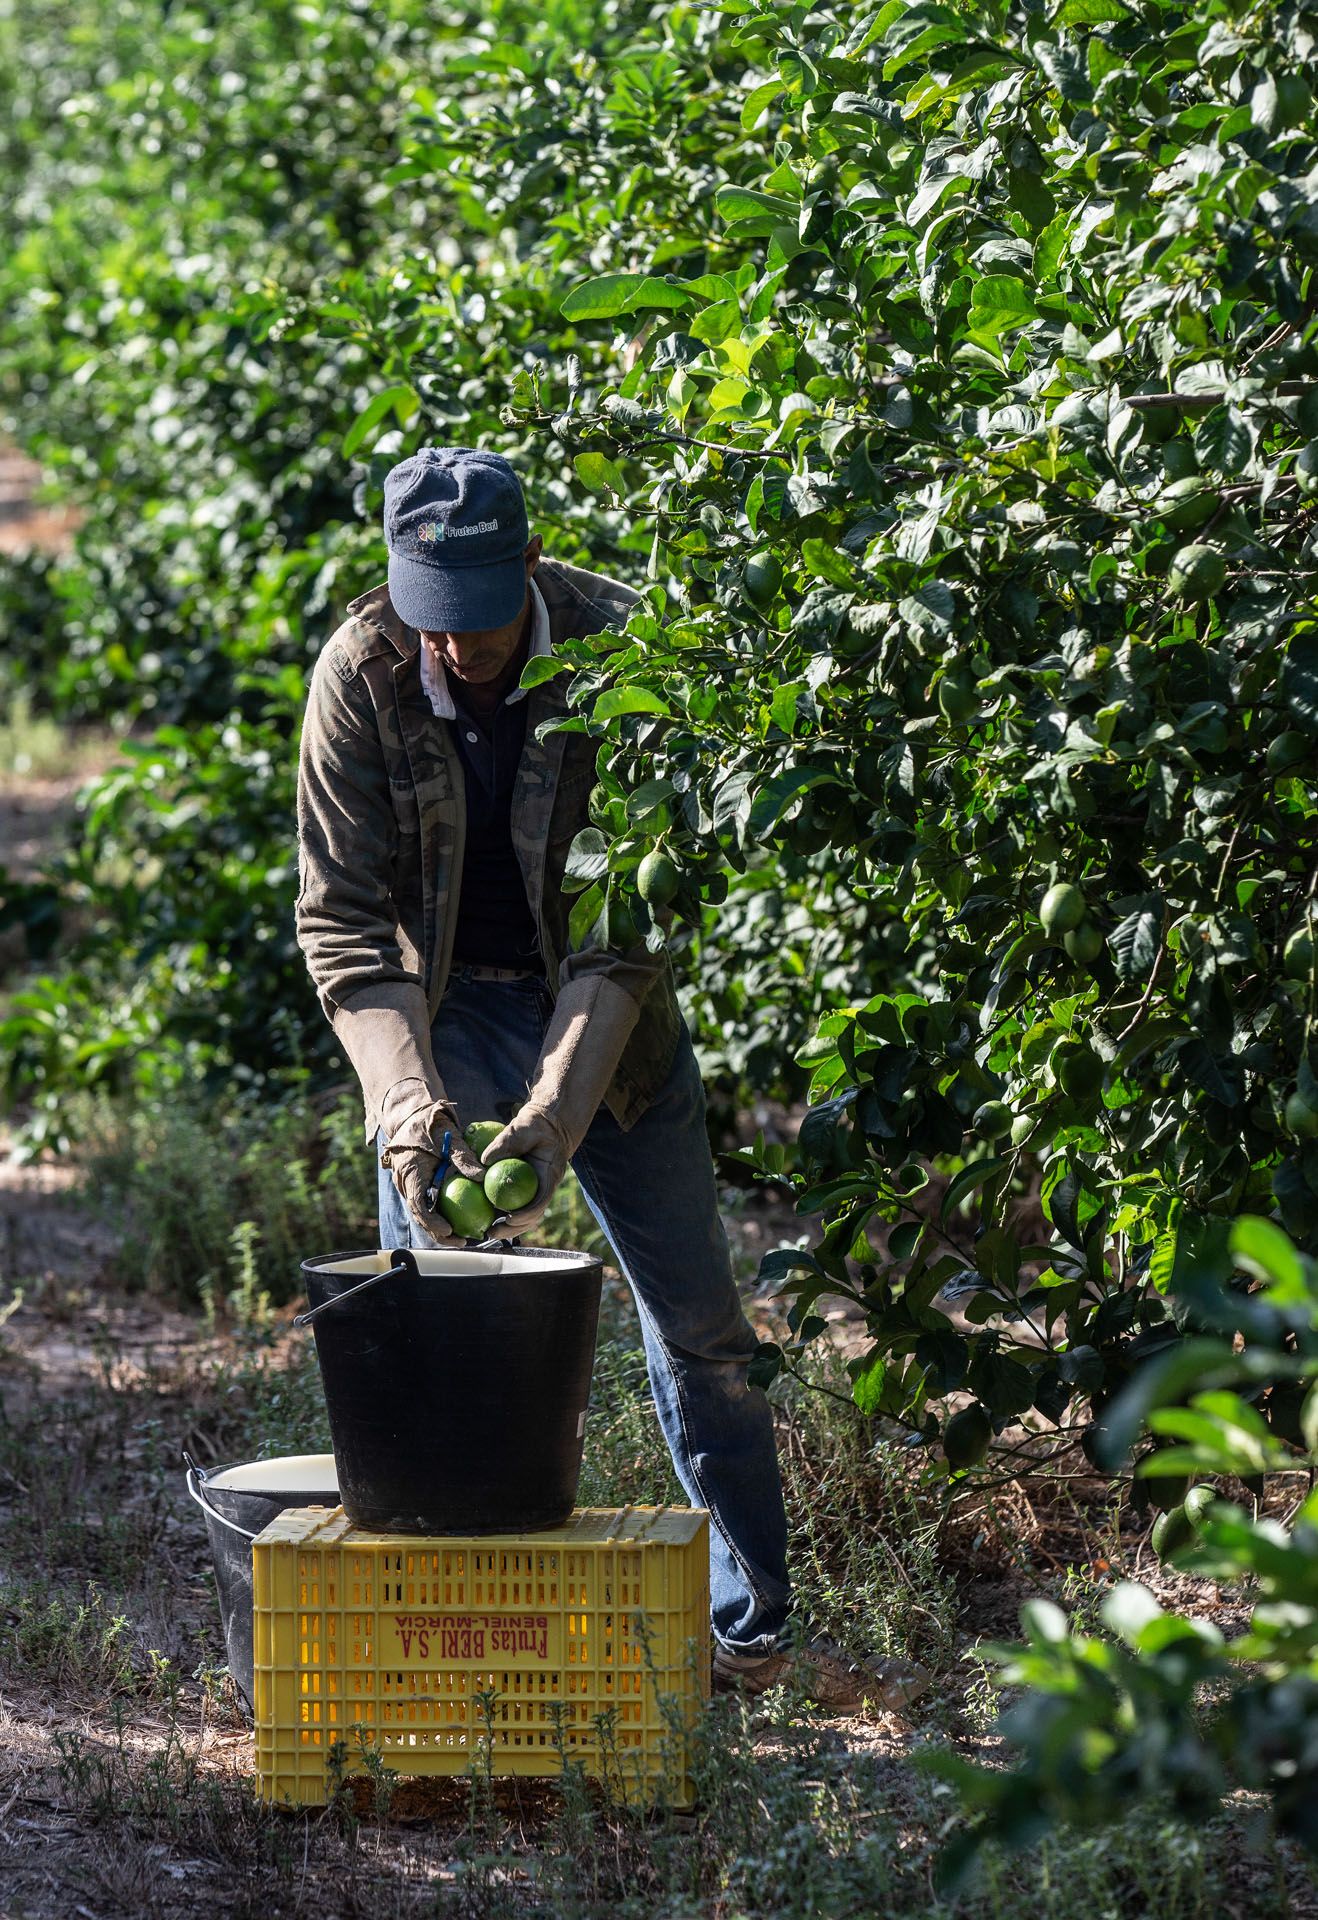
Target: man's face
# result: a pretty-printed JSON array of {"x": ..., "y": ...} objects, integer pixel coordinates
[{"x": 481, "y": 654}]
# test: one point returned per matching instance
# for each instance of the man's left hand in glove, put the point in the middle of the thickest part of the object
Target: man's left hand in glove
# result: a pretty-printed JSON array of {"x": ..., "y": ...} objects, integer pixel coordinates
[{"x": 588, "y": 1029}]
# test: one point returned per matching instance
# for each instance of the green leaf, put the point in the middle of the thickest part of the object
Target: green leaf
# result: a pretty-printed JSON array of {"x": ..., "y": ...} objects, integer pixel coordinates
[
  {"x": 401, "y": 401},
  {"x": 587, "y": 857},
  {"x": 715, "y": 323},
  {"x": 1134, "y": 941},
  {"x": 999, "y": 301},
  {"x": 778, "y": 792},
  {"x": 601, "y": 474},
  {"x": 976, "y": 1175},
  {"x": 1262, "y": 1249},
  {"x": 1049, "y": 248},
  {"x": 868, "y": 1373},
  {"x": 1224, "y": 440},
  {"x": 1299, "y": 681},
  {"x": 651, "y": 798},
  {"x": 1005, "y": 1386},
  {"x": 756, "y": 101},
  {"x": 603, "y": 297},
  {"x": 743, "y": 203},
  {"x": 827, "y": 563},
  {"x": 584, "y": 916},
  {"x": 543, "y": 667},
  {"x": 1128, "y": 1610},
  {"x": 1090, "y": 13},
  {"x": 619, "y": 700}
]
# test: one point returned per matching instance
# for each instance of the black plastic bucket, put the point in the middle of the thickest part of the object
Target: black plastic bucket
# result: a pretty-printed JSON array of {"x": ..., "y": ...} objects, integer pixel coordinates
[
  {"x": 456, "y": 1387},
  {"x": 238, "y": 1503}
]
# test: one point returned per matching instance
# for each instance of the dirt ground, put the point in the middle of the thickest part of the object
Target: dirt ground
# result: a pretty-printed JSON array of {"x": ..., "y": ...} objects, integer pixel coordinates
[{"x": 24, "y": 521}]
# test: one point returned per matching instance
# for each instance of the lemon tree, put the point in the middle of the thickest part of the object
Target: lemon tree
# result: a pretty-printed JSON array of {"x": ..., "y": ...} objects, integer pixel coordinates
[{"x": 970, "y": 431}]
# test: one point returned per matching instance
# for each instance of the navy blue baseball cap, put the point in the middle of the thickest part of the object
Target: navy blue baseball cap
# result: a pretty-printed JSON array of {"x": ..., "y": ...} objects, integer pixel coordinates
[{"x": 456, "y": 529}]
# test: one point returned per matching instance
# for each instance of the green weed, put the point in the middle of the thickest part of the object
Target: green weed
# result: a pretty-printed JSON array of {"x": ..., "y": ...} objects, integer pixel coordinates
[{"x": 59, "y": 1642}]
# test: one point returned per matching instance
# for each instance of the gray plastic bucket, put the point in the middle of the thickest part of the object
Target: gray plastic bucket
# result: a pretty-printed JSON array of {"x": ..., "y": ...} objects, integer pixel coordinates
[{"x": 238, "y": 1503}]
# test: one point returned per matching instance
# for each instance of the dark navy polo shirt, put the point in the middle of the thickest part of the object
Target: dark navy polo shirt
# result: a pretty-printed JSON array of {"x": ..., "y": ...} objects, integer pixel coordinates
[{"x": 495, "y": 926}]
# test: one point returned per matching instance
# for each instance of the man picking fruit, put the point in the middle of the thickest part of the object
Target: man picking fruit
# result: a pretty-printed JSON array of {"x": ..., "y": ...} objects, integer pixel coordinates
[{"x": 434, "y": 819}]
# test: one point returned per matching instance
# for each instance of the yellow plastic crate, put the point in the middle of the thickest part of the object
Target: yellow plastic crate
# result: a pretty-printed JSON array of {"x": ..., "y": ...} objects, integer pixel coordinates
[{"x": 384, "y": 1641}]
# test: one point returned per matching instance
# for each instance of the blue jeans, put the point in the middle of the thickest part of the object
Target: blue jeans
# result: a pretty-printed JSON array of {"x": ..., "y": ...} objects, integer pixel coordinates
[{"x": 652, "y": 1191}]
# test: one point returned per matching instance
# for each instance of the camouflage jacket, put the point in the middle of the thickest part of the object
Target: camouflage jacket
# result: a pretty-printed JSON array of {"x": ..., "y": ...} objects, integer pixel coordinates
[{"x": 381, "y": 821}]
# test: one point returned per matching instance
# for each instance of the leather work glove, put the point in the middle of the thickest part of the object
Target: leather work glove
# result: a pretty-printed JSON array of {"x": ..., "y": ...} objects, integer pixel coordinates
[
  {"x": 588, "y": 1029},
  {"x": 412, "y": 1156}
]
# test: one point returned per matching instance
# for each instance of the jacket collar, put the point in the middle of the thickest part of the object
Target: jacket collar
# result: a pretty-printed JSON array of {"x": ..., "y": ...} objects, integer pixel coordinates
[
  {"x": 562, "y": 606},
  {"x": 434, "y": 680}
]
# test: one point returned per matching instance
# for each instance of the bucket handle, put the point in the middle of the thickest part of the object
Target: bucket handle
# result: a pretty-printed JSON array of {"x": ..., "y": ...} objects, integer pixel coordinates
[
  {"x": 197, "y": 1490},
  {"x": 406, "y": 1264}
]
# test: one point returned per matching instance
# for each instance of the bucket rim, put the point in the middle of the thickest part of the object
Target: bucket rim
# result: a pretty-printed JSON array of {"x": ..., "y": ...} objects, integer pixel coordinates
[
  {"x": 302, "y": 1470},
  {"x": 518, "y": 1263}
]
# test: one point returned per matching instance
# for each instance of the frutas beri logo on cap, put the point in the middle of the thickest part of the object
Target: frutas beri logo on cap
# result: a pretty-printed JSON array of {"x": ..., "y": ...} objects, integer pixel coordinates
[{"x": 434, "y": 530}]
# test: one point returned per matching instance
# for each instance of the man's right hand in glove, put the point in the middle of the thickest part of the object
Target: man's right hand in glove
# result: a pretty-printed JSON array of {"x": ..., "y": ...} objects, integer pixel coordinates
[{"x": 412, "y": 1156}]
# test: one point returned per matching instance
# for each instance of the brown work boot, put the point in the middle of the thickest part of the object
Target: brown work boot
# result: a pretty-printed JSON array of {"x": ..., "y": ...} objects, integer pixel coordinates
[{"x": 825, "y": 1673}]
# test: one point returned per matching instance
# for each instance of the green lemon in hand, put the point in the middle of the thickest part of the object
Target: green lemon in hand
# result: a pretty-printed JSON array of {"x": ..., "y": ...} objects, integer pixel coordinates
[
  {"x": 482, "y": 1133},
  {"x": 464, "y": 1205},
  {"x": 511, "y": 1184}
]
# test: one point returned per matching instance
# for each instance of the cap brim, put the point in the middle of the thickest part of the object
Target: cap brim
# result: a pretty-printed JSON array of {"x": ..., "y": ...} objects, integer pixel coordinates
[{"x": 456, "y": 599}]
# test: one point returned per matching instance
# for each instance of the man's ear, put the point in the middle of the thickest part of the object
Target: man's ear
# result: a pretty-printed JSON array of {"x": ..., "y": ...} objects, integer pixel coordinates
[{"x": 533, "y": 551}]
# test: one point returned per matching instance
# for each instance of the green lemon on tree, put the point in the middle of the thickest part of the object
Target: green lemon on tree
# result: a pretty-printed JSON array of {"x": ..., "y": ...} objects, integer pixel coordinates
[
  {"x": 1306, "y": 468},
  {"x": 1188, "y": 502},
  {"x": 1288, "y": 750},
  {"x": 657, "y": 878},
  {"x": 510, "y": 1184},
  {"x": 966, "y": 1436},
  {"x": 1061, "y": 909},
  {"x": 1167, "y": 1490},
  {"x": 761, "y": 578},
  {"x": 993, "y": 1120},
  {"x": 1300, "y": 1118},
  {"x": 464, "y": 1205},
  {"x": 1084, "y": 943},
  {"x": 1196, "y": 573},
  {"x": 957, "y": 698},
  {"x": 620, "y": 928},
  {"x": 1294, "y": 100},
  {"x": 1022, "y": 1128},
  {"x": 1171, "y": 1532},
  {"x": 1197, "y": 1502},
  {"x": 1079, "y": 1070},
  {"x": 1158, "y": 424},
  {"x": 482, "y": 1133},
  {"x": 1178, "y": 460}
]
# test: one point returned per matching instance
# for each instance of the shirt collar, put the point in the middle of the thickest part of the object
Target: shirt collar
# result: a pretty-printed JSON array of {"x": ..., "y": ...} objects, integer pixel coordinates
[{"x": 434, "y": 680}]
